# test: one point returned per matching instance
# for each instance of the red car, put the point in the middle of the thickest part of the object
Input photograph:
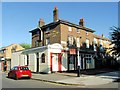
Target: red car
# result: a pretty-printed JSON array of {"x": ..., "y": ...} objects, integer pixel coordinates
[{"x": 19, "y": 72}]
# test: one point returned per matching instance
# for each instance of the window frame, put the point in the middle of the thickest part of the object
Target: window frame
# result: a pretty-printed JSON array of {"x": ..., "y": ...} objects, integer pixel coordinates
[
  {"x": 87, "y": 43},
  {"x": 87, "y": 33},
  {"x": 78, "y": 30},
  {"x": 70, "y": 29},
  {"x": 47, "y": 40}
]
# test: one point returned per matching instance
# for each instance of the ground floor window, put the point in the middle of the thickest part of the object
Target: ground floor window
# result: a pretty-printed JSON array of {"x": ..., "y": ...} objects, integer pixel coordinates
[
  {"x": 43, "y": 58},
  {"x": 71, "y": 59},
  {"x": 88, "y": 58}
]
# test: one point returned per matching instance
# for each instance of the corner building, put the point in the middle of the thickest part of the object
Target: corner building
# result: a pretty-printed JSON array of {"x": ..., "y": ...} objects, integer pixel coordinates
[{"x": 73, "y": 38}]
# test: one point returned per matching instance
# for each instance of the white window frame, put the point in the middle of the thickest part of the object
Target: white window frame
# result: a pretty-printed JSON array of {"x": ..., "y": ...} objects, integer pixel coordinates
[
  {"x": 70, "y": 29},
  {"x": 87, "y": 43},
  {"x": 101, "y": 43},
  {"x": 95, "y": 41},
  {"x": 70, "y": 40},
  {"x": 47, "y": 41},
  {"x": 78, "y": 30},
  {"x": 78, "y": 42},
  {"x": 87, "y": 33}
]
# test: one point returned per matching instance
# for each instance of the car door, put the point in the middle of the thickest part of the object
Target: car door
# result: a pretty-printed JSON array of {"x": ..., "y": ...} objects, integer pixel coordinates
[{"x": 11, "y": 72}]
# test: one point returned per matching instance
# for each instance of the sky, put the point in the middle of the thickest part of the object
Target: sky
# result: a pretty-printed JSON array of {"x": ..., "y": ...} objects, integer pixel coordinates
[{"x": 18, "y": 18}]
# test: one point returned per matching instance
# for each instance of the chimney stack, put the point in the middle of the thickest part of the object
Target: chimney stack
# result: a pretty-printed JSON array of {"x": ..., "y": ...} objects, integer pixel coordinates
[
  {"x": 81, "y": 23},
  {"x": 41, "y": 22},
  {"x": 102, "y": 35},
  {"x": 55, "y": 14}
]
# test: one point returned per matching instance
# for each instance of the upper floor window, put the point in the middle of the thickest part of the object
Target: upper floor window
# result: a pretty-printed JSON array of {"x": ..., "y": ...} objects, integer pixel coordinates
[
  {"x": 78, "y": 42},
  {"x": 95, "y": 41},
  {"x": 13, "y": 49},
  {"x": 48, "y": 29},
  {"x": 78, "y": 30},
  {"x": 70, "y": 40},
  {"x": 36, "y": 43},
  {"x": 38, "y": 32},
  {"x": 101, "y": 44},
  {"x": 87, "y": 43},
  {"x": 47, "y": 41},
  {"x": 69, "y": 28},
  {"x": 86, "y": 32},
  {"x": 2, "y": 51}
]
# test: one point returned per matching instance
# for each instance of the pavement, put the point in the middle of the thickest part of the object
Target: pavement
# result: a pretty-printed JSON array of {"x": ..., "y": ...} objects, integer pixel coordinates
[{"x": 67, "y": 78}]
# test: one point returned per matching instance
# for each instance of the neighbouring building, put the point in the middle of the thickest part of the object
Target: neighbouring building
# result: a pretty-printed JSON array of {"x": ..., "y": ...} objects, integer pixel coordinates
[
  {"x": 6, "y": 53},
  {"x": 102, "y": 47}
]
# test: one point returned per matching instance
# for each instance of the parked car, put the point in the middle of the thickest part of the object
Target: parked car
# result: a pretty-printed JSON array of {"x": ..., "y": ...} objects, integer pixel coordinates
[{"x": 19, "y": 72}]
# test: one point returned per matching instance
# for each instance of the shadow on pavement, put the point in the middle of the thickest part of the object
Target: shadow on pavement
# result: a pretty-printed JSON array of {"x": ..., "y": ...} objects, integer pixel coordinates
[{"x": 117, "y": 80}]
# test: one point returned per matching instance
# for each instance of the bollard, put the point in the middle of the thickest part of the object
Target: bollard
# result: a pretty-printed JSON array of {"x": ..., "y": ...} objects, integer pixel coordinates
[{"x": 78, "y": 71}]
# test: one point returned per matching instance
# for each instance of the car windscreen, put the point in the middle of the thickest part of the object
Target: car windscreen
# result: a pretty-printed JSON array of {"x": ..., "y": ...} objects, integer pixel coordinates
[{"x": 24, "y": 68}]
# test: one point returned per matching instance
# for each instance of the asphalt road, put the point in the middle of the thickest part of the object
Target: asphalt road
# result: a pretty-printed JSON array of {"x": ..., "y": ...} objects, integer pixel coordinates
[{"x": 29, "y": 83}]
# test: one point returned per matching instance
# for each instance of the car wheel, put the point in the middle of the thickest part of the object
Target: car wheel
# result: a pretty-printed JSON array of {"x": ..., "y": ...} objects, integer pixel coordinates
[
  {"x": 29, "y": 78},
  {"x": 16, "y": 78}
]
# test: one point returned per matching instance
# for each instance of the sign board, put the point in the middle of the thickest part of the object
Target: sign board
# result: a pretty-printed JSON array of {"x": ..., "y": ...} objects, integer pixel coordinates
[
  {"x": 55, "y": 46},
  {"x": 72, "y": 51}
]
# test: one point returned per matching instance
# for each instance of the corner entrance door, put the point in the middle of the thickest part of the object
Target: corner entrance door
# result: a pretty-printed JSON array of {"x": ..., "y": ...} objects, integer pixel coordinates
[
  {"x": 37, "y": 58},
  {"x": 56, "y": 62}
]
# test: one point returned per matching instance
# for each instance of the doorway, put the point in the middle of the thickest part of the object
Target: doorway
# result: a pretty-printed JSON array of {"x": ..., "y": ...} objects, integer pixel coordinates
[
  {"x": 56, "y": 64},
  {"x": 37, "y": 64}
]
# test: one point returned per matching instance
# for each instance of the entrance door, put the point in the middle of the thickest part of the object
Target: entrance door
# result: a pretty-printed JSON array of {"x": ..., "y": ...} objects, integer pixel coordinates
[{"x": 54, "y": 62}]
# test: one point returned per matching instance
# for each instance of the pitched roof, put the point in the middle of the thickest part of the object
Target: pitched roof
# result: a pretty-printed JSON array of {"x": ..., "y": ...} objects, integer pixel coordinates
[
  {"x": 100, "y": 37},
  {"x": 63, "y": 22}
]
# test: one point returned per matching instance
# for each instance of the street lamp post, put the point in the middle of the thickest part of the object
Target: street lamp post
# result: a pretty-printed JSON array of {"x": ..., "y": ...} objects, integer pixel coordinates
[
  {"x": 78, "y": 57},
  {"x": 78, "y": 71}
]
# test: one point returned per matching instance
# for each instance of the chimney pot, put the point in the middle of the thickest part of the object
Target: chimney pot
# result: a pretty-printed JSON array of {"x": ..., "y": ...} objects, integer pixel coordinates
[
  {"x": 102, "y": 35},
  {"x": 41, "y": 22},
  {"x": 55, "y": 14},
  {"x": 81, "y": 23},
  {"x": 56, "y": 8}
]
